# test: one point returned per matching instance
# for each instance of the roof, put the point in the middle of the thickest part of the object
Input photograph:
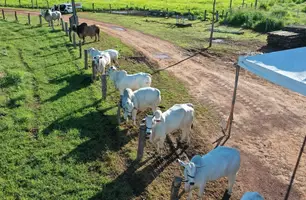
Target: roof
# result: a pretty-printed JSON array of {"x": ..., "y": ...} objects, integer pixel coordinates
[{"x": 286, "y": 68}]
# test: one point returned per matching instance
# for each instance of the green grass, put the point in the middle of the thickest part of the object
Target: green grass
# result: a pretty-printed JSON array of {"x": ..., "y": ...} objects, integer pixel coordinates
[{"x": 58, "y": 139}]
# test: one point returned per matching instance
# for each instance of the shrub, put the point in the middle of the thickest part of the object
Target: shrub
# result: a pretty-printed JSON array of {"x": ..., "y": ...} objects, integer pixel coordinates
[
  {"x": 245, "y": 18},
  {"x": 280, "y": 13},
  {"x": 304, "y": 9},
  {"x": 264, "y": 6},
  {"x": 269, "y": 24}
]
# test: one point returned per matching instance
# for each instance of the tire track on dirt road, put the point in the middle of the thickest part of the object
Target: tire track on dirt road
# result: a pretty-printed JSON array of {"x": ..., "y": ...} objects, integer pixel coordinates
[{"x": 269, "y": 121}]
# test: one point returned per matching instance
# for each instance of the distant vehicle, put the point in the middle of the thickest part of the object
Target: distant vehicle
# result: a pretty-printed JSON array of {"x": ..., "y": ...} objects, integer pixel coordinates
[{"x": 66, "y": 8}]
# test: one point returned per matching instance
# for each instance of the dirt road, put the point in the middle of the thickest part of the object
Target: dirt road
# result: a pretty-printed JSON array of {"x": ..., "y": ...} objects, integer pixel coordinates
[{"x": 269, "y": 121}]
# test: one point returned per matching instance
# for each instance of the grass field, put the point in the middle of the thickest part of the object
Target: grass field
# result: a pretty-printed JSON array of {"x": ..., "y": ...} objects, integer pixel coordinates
[{"x": 58, "y": 139}]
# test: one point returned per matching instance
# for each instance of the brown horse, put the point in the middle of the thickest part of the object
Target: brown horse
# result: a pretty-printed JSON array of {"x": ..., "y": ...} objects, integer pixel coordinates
[{"x": 84, "y": 30}]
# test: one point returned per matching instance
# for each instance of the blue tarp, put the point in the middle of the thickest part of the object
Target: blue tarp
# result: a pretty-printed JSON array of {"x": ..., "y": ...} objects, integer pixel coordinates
[{"x": 286, "y": 68}]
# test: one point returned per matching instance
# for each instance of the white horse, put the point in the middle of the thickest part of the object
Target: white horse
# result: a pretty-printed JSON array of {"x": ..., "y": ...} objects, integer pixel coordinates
[{"x": 49, "y": 15}]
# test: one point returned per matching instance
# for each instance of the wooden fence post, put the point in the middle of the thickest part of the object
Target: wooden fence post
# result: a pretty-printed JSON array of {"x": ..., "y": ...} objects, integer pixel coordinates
[
  {"x": 267, "y": 23},
  {"x": 110, "y": 8},
  {"x": 16, "y": 17},
  {"x": 231, "y": 3},
  {"x": 212, "y": 24},
  {"x": 103, "y": 85},
  {"x": 62, "y": 23},
  {"x": 29, "y": 19},
  {"x": 52, "y": 25},
  {"x": 40, "y": 20},
  {"x": 19, "y": 3},
  {"x": 85, "y": 59},
  {"x": 242, "y": 3},
  {"x": 93, "y": 7},
  {"x": 5, "y": 3},
  {"x": 222, "y": 14},
  {"x": 205, "y": 15},
  {"x": 73, "y": 40},
  {"x": 80, "y": 48},
  {"x": 3, "y": 15},
  {"x": 255, "y": 4},
  {"x": 36, "y": 4},
  {"x": 70, "y": 38},
  {"x": 32, "y": 4},
  {"x": 217, "y": 16},
  {"x": 118, "y": 110},
  {"x": 176, "y": 184},
  {"x": 93, "y": 75},
  {"x": 66, "y": 28},
  {"x": 141, "y": 141},
  {"x": 48, "y": 4}
]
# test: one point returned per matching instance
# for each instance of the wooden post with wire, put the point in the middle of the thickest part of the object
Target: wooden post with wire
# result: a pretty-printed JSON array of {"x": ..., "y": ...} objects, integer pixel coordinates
[
  {"x": 80, "y": 48},
  {"x": 40, "y": 20},
  {"x": 93, "y": 75},
  {"x": 3, "y": 15},
  {"x": 62, "y": 23},
  {"x": 103, "y": 85},
  {"x": 16, "y": 17},
  {"x": 175, "y": 188},
  {"x": 29, "y": 19},
  {"x": 66, "y": 29},
  {"x": 205, "y": 15},
  {"x": 212, "y": 24},
  {"x": 255, "y": 4},
  {"x": 141, "y": 141},
  {"x": 217, "y": 16},
  {"x": 231, "y": 116},
  {"x": 85, "y": 59},
  {"x": 73, "y": 40}
]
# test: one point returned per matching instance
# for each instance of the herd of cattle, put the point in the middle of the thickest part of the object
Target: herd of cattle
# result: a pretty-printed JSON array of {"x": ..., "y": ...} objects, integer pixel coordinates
[{"x": 136, "y": 94}]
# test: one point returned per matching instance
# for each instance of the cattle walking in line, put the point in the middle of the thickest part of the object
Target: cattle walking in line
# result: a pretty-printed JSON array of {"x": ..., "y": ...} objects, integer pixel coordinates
[
  {"x": 252, "y": 196},
  {"x": 140, "y": 100},
  {"x": 178, "y": 117},
  {"x": 83, "y": 30},
  {"x": 220, "y": 162},
  {"x": 48, "y": 15},
  {"x": 122, "y": 79}
]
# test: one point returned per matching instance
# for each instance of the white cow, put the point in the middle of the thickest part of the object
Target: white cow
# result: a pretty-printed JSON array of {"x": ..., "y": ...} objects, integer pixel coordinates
[
  {"x": 122, "y": 79},
  {"x": 49, "y": 15},
  {"x": 252, "y": 196},
  {"x": 179, "y": 116},
  {"x": 220, "y": 162},
  {"x": 101, "y": 62},
  {"x": 140, "y": 100},
  {"x": 113, "y": 54}
]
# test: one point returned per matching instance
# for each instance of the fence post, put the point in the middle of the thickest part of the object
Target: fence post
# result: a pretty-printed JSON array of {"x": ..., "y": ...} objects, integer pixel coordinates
[
  {"x": 3, "y": 15},
  {"x": 242, "y": 3},
  {"x": 255, "y": 4},
  {"x": 73, "y": 40},
  {"x": 36, "y": 4},
  {"x": 251, "y": 5},
  {"x": 70, "y": 38},
  {"x": 29, "y": 19},
  {"x": 212, "y": 24},
  {"x": 176, "y": 184},
  {"x": 266, "y": 29},
  {"x": 222, "y": 14},
  {"x": 80, "y": 48},
  {"x": 110, "y": 8},
  {"x": 40, "y": 20},
  {"x": 103, "y": 85},
  {"x": 47, "y": 4},
  {"x": 93, "y": 7},
  {"x": 52, "y": 25},
  {"x": 231, "y": 3},
  {"x": 118, "y": 110},
  {"x": 16, "y": 18},
  {"x": 32, "y": 4},
  {"x": 19, "y": 3},
  {"x": 5, "y": 3},
  {"x": 205, "y": 15},
  {"x": 66, "y": 28},
  {"x": 217, "y": 16},
  {"x": 93, "y": 66},
  {"x": 62, "y": 23},
  {"x": 141, "y": 141},
  {"x": 85, "y": 59}
]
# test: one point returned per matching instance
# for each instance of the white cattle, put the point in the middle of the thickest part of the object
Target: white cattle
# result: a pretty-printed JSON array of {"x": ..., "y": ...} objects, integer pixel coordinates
[
  {"x": 178, "y": 117},
  {"x": 139, "y": 100},
  {"x": 101, "y": 62},
  {"x": 113, "y": 54},
  {"x": 123, "y": 80},
  {"x": 220, "y": 162},
  {"x": 51, "y": 16},
  {"x": 252, "y": 196}
]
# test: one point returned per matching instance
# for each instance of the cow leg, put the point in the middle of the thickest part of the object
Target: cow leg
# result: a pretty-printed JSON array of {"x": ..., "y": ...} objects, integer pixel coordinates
[
  {"x": 134, "y": 113},
  {"x": 201, "y": 191},
  {"x": 231, "y": 181},
  {"x": 83, "y": 39}
]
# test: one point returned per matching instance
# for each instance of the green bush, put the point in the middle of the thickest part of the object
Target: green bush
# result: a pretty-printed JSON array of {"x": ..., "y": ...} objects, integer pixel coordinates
[
  {"x": 244, "y": 18},
  {"x": 269, "y": 24},
  {"x": 299, "y": 1},
  {"x": 304, "y": 9},
  {"x": 280, "y": 13},
  {"x": 264, "y": 6}
]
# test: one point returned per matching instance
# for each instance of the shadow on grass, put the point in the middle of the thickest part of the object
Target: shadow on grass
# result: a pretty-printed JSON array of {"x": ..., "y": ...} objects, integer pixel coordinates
[
  {"x": 75, "y": 82},
  {"x": 133, "y": 182}
]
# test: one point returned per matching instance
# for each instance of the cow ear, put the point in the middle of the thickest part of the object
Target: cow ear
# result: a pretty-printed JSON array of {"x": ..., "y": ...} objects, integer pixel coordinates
[{"x": 182, "y": 163}]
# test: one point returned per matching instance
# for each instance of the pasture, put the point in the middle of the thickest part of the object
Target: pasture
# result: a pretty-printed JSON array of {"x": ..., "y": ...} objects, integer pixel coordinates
[{"x": 59, "y": 139}]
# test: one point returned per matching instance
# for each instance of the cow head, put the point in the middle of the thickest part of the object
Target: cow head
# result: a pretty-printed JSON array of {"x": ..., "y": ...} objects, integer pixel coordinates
[
  {"x": 111, "y": 70},
  {"x": 149, "y": 124},
  {"x": 189, "y": 174},
  {"x": 128, "y": 108}
]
